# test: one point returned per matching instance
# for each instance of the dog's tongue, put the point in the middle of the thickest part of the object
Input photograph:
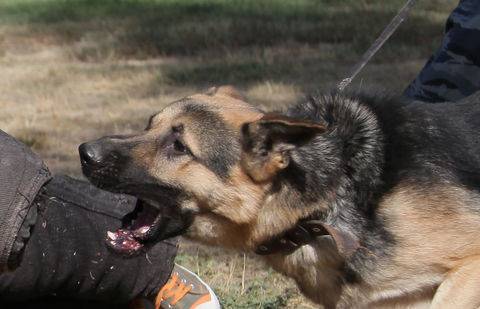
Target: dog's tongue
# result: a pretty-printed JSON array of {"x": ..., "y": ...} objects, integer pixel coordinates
[{"x": 123, "y": 241}]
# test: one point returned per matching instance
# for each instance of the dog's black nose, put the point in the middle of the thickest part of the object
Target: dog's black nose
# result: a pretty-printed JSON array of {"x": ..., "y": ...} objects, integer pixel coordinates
[{"x": 90, "y": 153}]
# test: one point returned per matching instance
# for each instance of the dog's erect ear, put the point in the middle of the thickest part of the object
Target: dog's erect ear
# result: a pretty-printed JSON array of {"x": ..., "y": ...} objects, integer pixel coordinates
[
  {"x": 226, "y": 90},
  {"x": 267, "y": 143}
]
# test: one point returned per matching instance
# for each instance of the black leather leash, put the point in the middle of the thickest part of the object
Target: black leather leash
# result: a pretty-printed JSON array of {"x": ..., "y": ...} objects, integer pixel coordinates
[{"x": 384, "y": 36}]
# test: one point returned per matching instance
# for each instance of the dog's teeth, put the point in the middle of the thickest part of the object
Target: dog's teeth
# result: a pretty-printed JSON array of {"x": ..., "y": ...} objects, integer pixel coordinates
[
  {"x": 144, "y": 229},
  {"x": 112, "y": 235}
]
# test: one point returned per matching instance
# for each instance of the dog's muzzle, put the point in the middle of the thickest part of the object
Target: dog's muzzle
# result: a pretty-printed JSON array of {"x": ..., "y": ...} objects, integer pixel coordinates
[{"x": 107, "y": 164}]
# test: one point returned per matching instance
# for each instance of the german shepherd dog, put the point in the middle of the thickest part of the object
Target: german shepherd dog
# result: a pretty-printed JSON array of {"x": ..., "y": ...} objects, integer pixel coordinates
[{"x": 364, "y": 201}]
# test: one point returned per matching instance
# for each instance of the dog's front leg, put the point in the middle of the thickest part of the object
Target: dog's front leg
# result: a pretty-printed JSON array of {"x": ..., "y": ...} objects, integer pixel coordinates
[{"x": 461, "y": 287}]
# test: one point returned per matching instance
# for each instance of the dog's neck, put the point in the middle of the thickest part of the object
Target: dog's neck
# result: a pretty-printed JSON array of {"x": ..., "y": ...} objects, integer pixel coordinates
[
  {"x": 339, "y": 177},
  {"x": 341, "y": 190}
]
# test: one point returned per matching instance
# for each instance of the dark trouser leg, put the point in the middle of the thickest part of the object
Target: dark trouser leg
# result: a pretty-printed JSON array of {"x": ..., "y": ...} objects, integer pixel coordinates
[
  {"x": 453, "y": 72},
  {"x": 66, "y": 255}
]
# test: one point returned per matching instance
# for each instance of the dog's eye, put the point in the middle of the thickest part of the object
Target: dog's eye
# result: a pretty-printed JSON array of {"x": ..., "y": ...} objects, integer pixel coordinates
[
  {"x": 180, "y": 147},
  {"x": 178, "y": 129}
]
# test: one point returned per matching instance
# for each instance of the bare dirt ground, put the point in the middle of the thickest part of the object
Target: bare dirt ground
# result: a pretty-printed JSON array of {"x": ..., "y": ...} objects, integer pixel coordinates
[{"x": 68, "y": 79}]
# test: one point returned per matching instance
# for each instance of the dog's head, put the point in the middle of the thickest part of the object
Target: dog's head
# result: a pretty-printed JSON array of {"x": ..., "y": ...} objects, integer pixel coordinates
[{"x": 189, "y": 174}]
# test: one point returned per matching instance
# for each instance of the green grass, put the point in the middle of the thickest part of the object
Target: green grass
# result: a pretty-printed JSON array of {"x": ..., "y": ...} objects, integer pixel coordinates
[{"x": 143, "y": 28}]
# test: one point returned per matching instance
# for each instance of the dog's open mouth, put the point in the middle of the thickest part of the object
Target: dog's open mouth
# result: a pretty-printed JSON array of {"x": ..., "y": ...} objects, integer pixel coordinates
[
  {"x": 140, "y": 227},
  {"x": 150, "y": 223}
]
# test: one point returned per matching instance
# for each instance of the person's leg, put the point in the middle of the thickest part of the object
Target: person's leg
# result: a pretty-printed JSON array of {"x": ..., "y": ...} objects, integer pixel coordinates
[
  {"x": 453, "y": 72},
  {"x": 66, "y": 255}
]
